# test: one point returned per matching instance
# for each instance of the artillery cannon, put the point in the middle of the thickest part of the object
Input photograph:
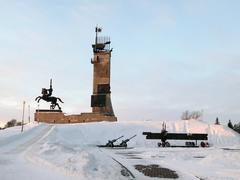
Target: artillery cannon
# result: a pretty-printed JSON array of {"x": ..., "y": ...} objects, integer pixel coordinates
[
  {"x": 164, "y": 135},
  {"x": 110, "y": 143},
  {"x": 124, "y": 142}
]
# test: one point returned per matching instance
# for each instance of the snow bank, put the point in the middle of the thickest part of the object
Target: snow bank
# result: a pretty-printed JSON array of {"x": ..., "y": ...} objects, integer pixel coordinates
[
  {"x": 71, "y": 149},
  {"x": 11, "y": 131},
  {"x": 68, "y": 151},
  {"x": 100, "y": 133}
]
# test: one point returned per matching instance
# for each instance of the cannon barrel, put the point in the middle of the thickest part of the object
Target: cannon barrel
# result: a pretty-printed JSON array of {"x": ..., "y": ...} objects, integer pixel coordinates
[
  {"x": 126, "y": 140},
  {"x": 132, "y": 137},
  {"x": 110, "y": 142},
  {"x": 114, "y": 140}
]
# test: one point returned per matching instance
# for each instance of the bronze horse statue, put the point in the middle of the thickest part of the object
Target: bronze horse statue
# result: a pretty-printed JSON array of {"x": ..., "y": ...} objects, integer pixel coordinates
[{"x": 46, "y": 96}]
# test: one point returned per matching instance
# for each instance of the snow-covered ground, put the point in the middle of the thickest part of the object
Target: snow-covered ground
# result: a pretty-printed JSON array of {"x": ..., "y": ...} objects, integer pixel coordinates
[{"x": 45, "y": 151}]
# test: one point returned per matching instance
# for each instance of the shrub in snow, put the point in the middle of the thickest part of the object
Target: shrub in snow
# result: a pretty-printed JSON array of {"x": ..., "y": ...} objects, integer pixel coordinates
[
  {"x": 230, "y": 125},
  {"x": 19, "y": 123},
  {"x": 236, "y": 127},
  {"x": 217, "y": 121}
]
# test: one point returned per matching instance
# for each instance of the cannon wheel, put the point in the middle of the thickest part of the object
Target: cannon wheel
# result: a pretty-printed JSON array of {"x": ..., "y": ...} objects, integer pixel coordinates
[{"x": 167, "y": 144}]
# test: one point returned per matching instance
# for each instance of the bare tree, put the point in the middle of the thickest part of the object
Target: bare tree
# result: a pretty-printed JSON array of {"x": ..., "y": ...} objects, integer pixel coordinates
[
  {"x": 187, "y": 115},
  {"x": 230, "y": 125},
  {"x": 11, "y": 123},
  {"x": 236, "y": 127},
  {"x": 196, "y": 114}
]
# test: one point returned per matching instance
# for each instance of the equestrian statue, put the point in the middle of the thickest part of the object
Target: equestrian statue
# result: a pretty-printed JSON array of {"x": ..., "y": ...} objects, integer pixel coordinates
[{"x": 47, "y": 96}]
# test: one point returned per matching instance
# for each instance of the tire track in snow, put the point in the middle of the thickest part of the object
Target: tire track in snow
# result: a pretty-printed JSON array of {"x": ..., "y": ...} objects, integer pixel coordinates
[
  {"x": 30, "y": 155},
  {"x": 124, "y": 167},
  {"x": 117, "y": 161},
  {"x": 18, "y": 138},
  {"x": 34, "y": 158},
  {"x": 28, "y": 144}
]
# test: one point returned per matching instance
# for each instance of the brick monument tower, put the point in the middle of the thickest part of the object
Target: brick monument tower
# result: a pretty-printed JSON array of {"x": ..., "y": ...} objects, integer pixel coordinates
[{"x": 101, "y": 98}]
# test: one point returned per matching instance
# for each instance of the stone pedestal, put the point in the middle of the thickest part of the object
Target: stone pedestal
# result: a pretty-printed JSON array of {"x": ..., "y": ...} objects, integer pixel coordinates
[
  {"x": 59, "y": 117},
  {"x": 50, "y": 116}
]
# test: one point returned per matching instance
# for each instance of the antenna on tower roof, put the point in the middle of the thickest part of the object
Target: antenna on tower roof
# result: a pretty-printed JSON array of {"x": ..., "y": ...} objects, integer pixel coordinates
[
  {"x": 97, "y": 30},
  {"x": 102, "y": 43}
]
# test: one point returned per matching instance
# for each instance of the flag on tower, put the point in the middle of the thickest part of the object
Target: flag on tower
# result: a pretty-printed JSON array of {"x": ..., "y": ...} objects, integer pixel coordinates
[{"x": 98, "y": 29}]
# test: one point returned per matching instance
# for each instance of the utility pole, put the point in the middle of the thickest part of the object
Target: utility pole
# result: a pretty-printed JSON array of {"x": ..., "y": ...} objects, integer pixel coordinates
[
  {"x": 29, "y": 114},
  {"x": 38, "y": 114},
  {"x": 23, "y": 115}
]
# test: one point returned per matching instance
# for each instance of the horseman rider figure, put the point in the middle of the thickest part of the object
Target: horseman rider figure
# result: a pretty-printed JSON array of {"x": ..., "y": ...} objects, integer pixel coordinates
[
  {"x": 46, "y": 96},
  {"x": 46, "y": 93}
]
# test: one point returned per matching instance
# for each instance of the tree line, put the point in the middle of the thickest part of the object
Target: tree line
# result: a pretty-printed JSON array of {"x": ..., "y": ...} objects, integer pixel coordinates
[
  {"x": 11, "y": 123},
  {"x": 197, "y": 115}
]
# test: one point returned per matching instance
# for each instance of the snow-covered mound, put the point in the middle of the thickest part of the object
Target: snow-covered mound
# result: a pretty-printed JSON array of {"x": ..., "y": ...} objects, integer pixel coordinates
[
  {"x": 69, "y": 151},
  {"x": 71, "y": 148},
  {"x": 100, "y": 133}
]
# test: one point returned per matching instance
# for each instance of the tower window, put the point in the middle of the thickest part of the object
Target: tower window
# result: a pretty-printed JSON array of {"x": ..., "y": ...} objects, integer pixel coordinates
[
  {"x": 103, "y": 88},
  {"x": 98, "y": 100}
]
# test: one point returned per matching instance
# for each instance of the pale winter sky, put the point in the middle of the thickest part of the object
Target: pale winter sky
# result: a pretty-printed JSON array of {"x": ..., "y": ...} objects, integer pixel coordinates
[{"x": 168, "y": 56}]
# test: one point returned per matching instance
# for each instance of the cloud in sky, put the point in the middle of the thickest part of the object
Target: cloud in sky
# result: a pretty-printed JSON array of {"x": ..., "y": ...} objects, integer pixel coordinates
[{"x": 167, "y": 57}]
